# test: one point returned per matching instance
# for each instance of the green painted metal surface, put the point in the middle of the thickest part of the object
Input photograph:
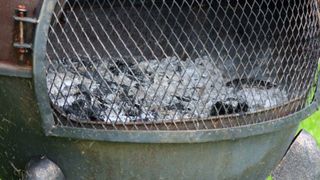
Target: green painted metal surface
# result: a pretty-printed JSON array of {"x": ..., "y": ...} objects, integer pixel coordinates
[
  {"x": 26, "y": 131},
  {"x": 23, "y": 137}
]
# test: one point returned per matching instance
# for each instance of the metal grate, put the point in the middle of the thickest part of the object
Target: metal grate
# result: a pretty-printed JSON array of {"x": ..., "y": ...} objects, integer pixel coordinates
[{"x": 180, "y": 64}]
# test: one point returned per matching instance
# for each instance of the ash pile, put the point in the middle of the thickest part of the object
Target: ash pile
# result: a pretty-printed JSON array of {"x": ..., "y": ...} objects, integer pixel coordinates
[{"x": 113, "y": 90}]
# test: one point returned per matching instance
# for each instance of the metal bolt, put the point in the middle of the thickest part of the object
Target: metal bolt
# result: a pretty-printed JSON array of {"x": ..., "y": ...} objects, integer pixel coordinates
[{"x": 21, "y": 11}]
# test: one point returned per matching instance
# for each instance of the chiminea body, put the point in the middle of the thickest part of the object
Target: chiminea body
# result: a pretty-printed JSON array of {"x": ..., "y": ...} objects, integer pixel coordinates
[{"x": 181, "y": 89}]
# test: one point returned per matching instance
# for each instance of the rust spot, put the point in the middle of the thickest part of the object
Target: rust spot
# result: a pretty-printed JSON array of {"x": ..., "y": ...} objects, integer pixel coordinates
[{"x": 9, "y": 32}]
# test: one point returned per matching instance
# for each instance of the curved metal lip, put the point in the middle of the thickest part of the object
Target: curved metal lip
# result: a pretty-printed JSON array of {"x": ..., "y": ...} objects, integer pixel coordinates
[
  {"x": 188, "y": 136},
  {"x": 213, "y": 122}
]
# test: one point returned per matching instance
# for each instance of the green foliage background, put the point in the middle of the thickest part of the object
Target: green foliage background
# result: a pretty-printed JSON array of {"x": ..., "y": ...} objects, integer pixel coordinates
[{"x": 312, "y": 124}]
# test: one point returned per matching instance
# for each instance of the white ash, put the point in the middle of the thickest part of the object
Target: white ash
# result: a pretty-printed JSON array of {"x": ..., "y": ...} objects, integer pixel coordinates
[
  {"x": 149, "y": 90},
  {"x": 260, "y": 98}
]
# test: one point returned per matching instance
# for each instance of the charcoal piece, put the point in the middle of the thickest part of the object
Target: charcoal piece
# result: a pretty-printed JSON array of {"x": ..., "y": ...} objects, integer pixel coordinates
[
  {"x": 225, "y": 108},
  {"x": 179, "y": 68},
  {"x": 98, "y": 76},
  {"x": 100, "y": 92},
  {"x": 114, "y": 70},
  {"x": 92, "y": 114},
  {"x": 84, "y": 91},
  {"x": 183, "y": 98},
  {"x": 85, "y": 72},
  {"x": 250, "y": 82},
  {"x": 220, "y": 108},
  {"x": 242, "y": 107},
  {"x": 125, "y": 89},
  {"x": 102, "y": 104},
  {"x": 84, "y": 60},
  {"x": 108, "y": 87},
  {"x": 83, "y": 66},
  {"x": 81, "y": 108},
  {"x": 118, "y": 67},
  {"x": 135, "y": 74},
  {"x": 124, "y": 95},
  {"x": 176, "y": 106},
  {"x": 63, "y": 60},
  {"x": 135, "y": 110},
  {"x": 76, "y": 107},
  {"x": 154, "y": 114}
]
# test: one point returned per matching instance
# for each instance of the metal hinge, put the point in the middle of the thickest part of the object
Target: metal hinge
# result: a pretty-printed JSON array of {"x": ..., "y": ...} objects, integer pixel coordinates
[{"x": 20, "y": 43}]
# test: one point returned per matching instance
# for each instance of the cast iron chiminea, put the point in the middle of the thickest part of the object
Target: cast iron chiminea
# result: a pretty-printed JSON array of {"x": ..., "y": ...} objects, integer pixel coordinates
[{"x": 171, "y": 89}]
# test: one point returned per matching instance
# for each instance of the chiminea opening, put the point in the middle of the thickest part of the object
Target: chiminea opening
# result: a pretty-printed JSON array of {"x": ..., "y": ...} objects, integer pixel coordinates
[{"x": 179, "y": 64}]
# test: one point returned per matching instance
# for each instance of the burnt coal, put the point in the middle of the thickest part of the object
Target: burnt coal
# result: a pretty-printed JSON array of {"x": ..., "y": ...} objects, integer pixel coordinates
[
  {"x": 250, "y": 82},
  {"x": 165, "y": 89},
  {"x": 225, "y": 108}
]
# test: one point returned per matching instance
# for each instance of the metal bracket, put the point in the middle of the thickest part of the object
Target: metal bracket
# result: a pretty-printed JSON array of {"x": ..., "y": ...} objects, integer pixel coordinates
[{"x": 22, "y": 19}]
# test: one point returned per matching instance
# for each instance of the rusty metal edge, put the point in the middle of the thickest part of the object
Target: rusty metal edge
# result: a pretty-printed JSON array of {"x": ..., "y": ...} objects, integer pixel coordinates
[{"x": 15, "y": 71}]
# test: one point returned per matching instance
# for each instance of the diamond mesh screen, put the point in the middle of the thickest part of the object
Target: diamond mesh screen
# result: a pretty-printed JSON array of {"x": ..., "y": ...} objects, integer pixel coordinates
[{"x": 180, "y": 64}]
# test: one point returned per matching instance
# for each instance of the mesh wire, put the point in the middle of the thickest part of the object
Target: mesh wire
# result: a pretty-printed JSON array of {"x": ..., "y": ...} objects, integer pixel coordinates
[{"x": 180, "y": 64}]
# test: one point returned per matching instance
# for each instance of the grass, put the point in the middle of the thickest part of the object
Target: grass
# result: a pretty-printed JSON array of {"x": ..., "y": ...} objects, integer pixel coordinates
[{"x": 312, "y": 125}]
